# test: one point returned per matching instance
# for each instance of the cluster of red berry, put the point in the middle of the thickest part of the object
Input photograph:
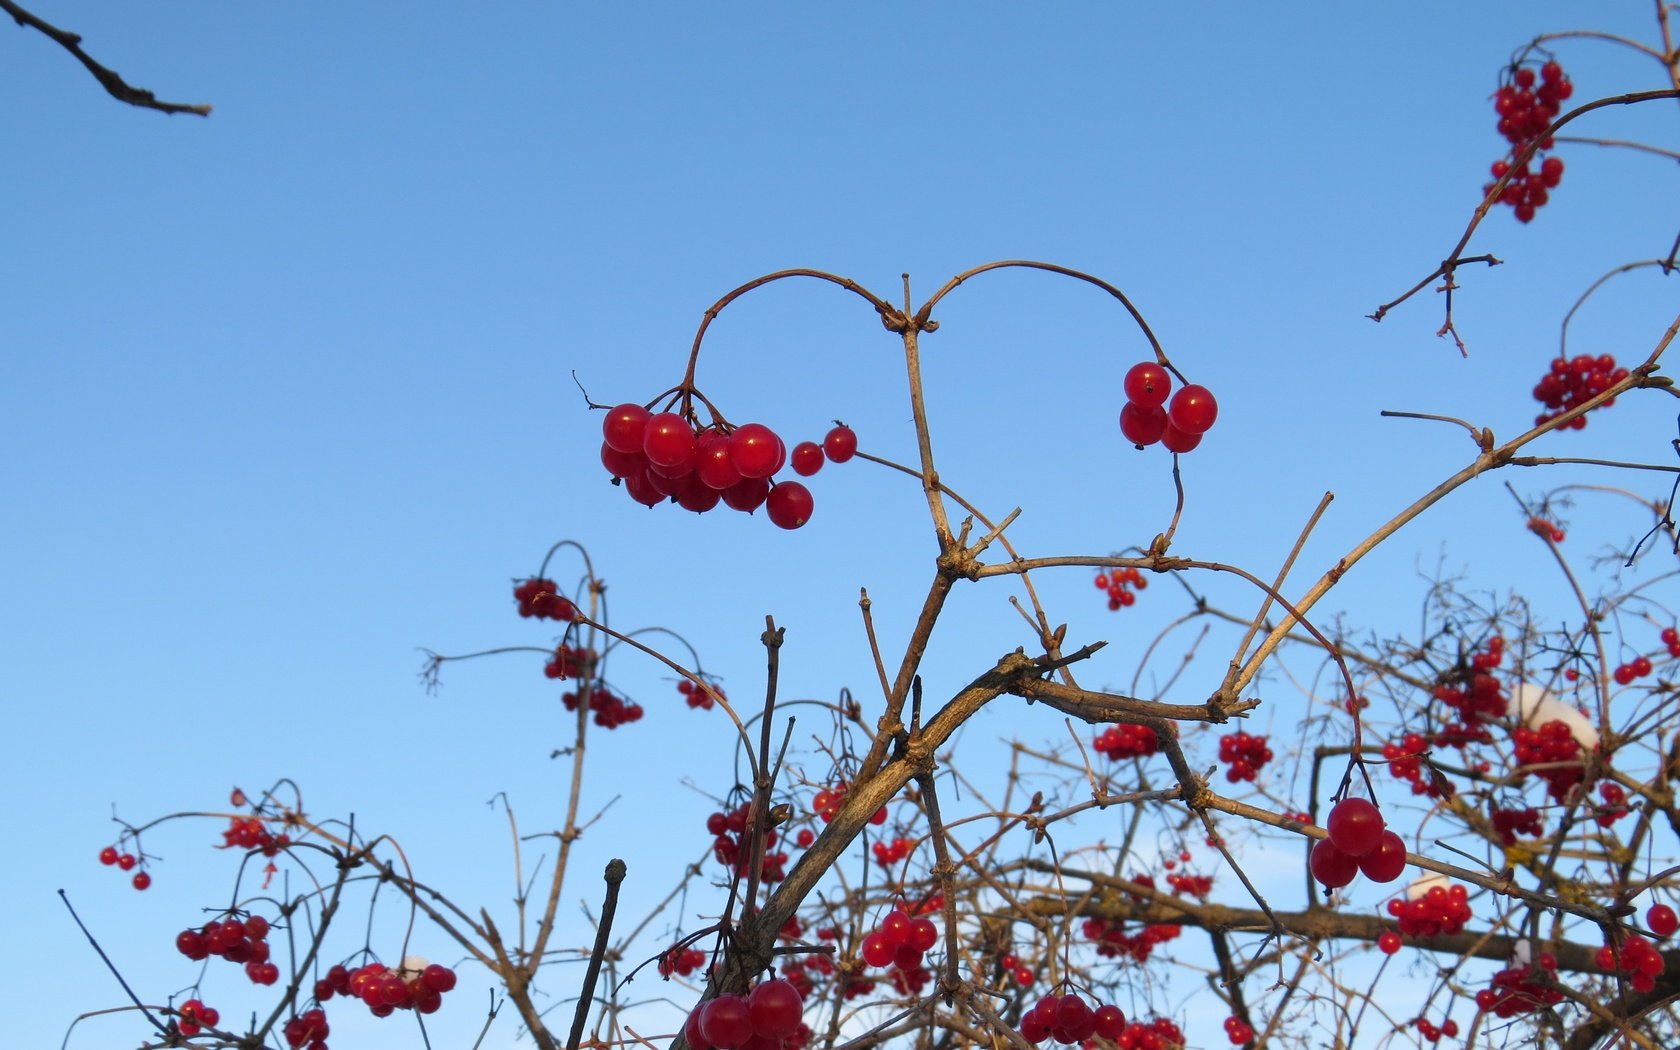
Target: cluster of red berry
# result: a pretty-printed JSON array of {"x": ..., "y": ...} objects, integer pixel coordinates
[
  {"x": 766, "y": 1016},
  {"x": 663, "y": 455},
  {"x": 1521, "y": 989},
  {"x": 889, "y": 853},
  {"x": 611, "y": 710},
  {"x": 111, "y": 857},
  {"x": 1570, "y": 382},
  {"x": 1070, "y": 1019},
  {"x": 195, "y": 1017},
  {"x": 1245, "y": 755},
  {"x": 1637, "y": 957},
  {"x": 798, "y": 971},
  {"x": 1631, "y": 672},
  {"x": 899, "y": 940},
  {"x": 1614, "y": 805},
  {"x": 252, "y": 833},
  {"x": 1508, "y": 823},
  {"x": 308, "y": 1030},
  {"x": 681, "y": 961},
  {"x": 1184, "y": 884},
  {"x": 1019, "y": 972},
  {"x": 1147, "y": 418},
  {"x": 1438, "y": 911},
  {"x": 1405, "y": 760},
  {"x": 697, "y": 696},
  {"x": 540, "y": 598},
  {"x": 1359, "y": 841},
  {"x": 731, "y": 845},
  {"x": 1121, "y": 585},
  {"x": 1126, "y": 740},
  {"x": 1238, "y": 1031},
  {"x": 1525, "y": 112},
  {"x": 568, "y": 662},
  {"x": 1553, "y": 754},
  {"x": 1546, "y": 530},
  {"x": 1432, "y": 1033},
  {"x": 417, "y": 985},
  {"x": 236, "y": 940},
  {"x": 826, "y": 803},
  {"x": 1159, "y": 1034},
  {"x": 1113, "y": 942},
  {"x": 1671, "y": 639}
]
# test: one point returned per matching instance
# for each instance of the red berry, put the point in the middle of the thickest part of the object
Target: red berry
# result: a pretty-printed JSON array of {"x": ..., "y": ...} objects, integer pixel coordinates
[
  {"x": 756, "y": 450},
  {"x": 1142, "y": 425},
  {"x": 840, "y": 444},
  {"x": 877, "y": 950},
  {"x": 108, "y": 856},
  {"x": 747, "y": 495},
  {"x": 669, "y": 444},
  {"x": 1175, "y": 440},
  {"x": 923, "y": 934},
  {"x": 127, "y": 861},
  {"x": 790, "y": 505},
  {"x": 1194, "y": 409},
  {"x": 726, "y": 1022},
  {"x": 1662, "y": 920},
  {"x": 625, "y": 427},
  {"x": 1387, "y": 861},
  {"x": 1355, "y": 826},
  {"x": 438, "y": 978},
  {"x": 715, "y": 467},
  {"x": 142, "y": 880},
  {"x": 1148, "y": 384},
  {"x": 775, "y": 1006},
  {"x": 1110, "y": 1022},
  {"x": 1389, "y": 942},
  {"x": 1331, "y": 866},
  {"x": 807, "y": 458}
]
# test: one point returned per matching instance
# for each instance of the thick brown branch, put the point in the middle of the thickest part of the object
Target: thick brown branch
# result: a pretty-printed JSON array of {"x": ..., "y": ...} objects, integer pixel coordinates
[{"x": 114, "y": 85}]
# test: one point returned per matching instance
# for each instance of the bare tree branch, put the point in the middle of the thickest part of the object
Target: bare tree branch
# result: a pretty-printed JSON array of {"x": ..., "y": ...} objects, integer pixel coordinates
[{"x": 114, "y": 85}]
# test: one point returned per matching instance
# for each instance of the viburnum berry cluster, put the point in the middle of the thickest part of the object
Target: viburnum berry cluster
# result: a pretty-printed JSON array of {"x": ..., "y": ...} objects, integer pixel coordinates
[
  {"x": 540, "y": 598},
  {"x": 415, "y": 985},
  {"x": 1433, "y": 1033},
  {"x": 1125, "y": 740},
  {"x": 1405, "y": 760},
  {"x": 568, "y": 662},
  {"x": 826, "y": 803},
  {"x": 1636, "y": 957},
  {"x": 611, "y": 710},
  {"x": 1546, "y": 530},
  {"x": 1113, "y": 942},
  {"x": 889, "y": 853},
  {"x": 1158, "y": 1034},
  {"x": 768, "y": 1015},
  {"x": 681, "y": 961},
  {"x": 1070, "y": 1019},
  {"x": 122, "y": 860},
  {"x": 251, "y": 833},
  {"x": 1358, "y": 841},
  {"x": 731, "y": 844},
  {"x": 1148, "y": 418},
  {"x": 236, "y": 940},
  {"x": 1525, "y": 111},
  {"x": 1185, "y": 884},
  {"x": 1572, "y": 382},
  {"x": 195, "y": 1017},
  {"x": 1432, "y": 908},
  {"x": 308, "y": 1030},
  {"x": 1019, "y": 972},
  {"x": 1121, "y": 586},
  {"x": 1244, "y": 754},
  {"x": 899, "y": 940},
  {"x": 660, "y": 456},
  {"x": 1552, "y": 753},
  {"x": 698, "y": 697},
  {"x": 1521, "y": 988},
  {"x": 1238, "y": 1031},
  {"x": 1509, "y": 822},
  {"x": 1635, "y": 669}
]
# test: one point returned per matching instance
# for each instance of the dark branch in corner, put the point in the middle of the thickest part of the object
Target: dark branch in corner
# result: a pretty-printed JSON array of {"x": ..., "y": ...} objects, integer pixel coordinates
[{"x": 114, "y": 85}]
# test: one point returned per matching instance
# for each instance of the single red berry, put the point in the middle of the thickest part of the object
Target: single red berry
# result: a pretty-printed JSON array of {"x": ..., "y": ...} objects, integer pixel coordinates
[
  {"x": 1524, "y": 77},
  {"x": 1387, "y": 861},
  {"x": 841, "y": 443},
  {"x": 775, "y": 1007},
  {"x": 756, "y": 450},
  {"x": 807, "y": 458},
  {"x": 1662, "y": 920},
  {"x": 1194, "y": 409},
  {"x": 1142, "y": 425},
  {"x": 142, "y": 880},
  {"x": 1175, "y": 440},
  {"x": 1389, "y": 942},
  {"x": 923, "y": 934},
  {"x": 1148, "y": 384},
  {"x": 127, "y": 862},
  {"x": 747, "y": 495},
  {"x": 1331, "y": 866},
  {"x": 691, "y": 1029},
  {"x": 108, "y": 856},
  {"x": 626, "y": 426},
  {"x": 669, "y": 444},
  {"x": 438, "y": 978},
  {"x": 1110, "y": 1022},
  {"x": 790, "y": 505},
  {"x": 715, "y": 467},
  {"x": 1355, "y": 826},
  {"x": 877, "y": 950},
  {"x": 727, "y": 1022},
  {"x": 642, "y": 490}
]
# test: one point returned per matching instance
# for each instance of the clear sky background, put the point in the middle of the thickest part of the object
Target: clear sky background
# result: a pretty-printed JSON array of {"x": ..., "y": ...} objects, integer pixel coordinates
[{"x": 287, "y": 393}]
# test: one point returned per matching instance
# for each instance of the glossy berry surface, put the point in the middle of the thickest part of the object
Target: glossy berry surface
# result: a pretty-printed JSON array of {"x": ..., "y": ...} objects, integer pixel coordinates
[
  {"x": 1142, "y": 425},
  {"x": 807, "y": 458},
  {"x": 1355, "y": 826},
  {"x": 1193, "y": 409},
  {"x": 1148, "y": 384},
  {"x": 789, "y": 505},
  {"x": 1330, "y": 866},
  {"x": 669, "y": 444},
  {"x": 625, "y": 427},
  {"x": 1387, "y": 861},
  {"x": 756, "y": 450},
  {"x": 840, "y": 444}
]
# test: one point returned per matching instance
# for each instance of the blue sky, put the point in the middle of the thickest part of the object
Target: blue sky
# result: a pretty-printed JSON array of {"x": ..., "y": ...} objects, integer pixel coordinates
[{"x": 288, "y": 392}]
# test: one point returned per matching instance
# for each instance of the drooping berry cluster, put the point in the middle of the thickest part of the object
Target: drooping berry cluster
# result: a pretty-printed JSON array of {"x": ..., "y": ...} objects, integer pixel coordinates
[
  {"x": 1070, "y": 1019},
  {"x": 900, "y": 942},
  {"x": 236, "y": 940},
  {"x": 122, "y": 860},
  {"x": 660, "y": 456},
  {"x": 1571, "y": 382},
  {"x": 416, "y": 985},
  {"x": 1125, "y": 740},
  {"x": 308, "y": 1030},
  {"x": 1244, "y": 754},
  {"x": 681, "y": 961},
  {"x": 1525, "y": 112},
  {"x": 1148, "y": 418},
  {"x": 611, "y": 710},
  {"x": 1121, "y": 585},
  {"x": 889, "y": 853},
  {"x": 195, "y": 1017},
  {"x": 1238, "y": 1031},
  {"x": 1508, "y": 823},
  {"x": 1521, "y": 989},
  {"x": 700, "y": 698},
  {"x": 1358, "y": 841},
  {"x": 1438, "y": 910},
  {"x": 251, "y": 833},
  {"x": 1405, "y": 760},
  {"x": 1635, "y": 669},
  {"x": 1184, "y": 884},
  {"x": 1551, "y": 753},
  {"x": 1159, "y": 1034},
  {"x": 732, "y": 842},
  {"x": 1018, "y": 971},
  {"x": 826, "y": 803},
  {"x": 1433, "y": 1033},
  {"x": 568, "y": 662},
  {"x": 1613, "y": 806},
  {"x": 768, "y": 1015},
  {"x": 1113, "y": 942},
  {"x": 540, "y": 598},
  {"x": 1671, "y": 639},
  {"x": 1636, "y": 957}
]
